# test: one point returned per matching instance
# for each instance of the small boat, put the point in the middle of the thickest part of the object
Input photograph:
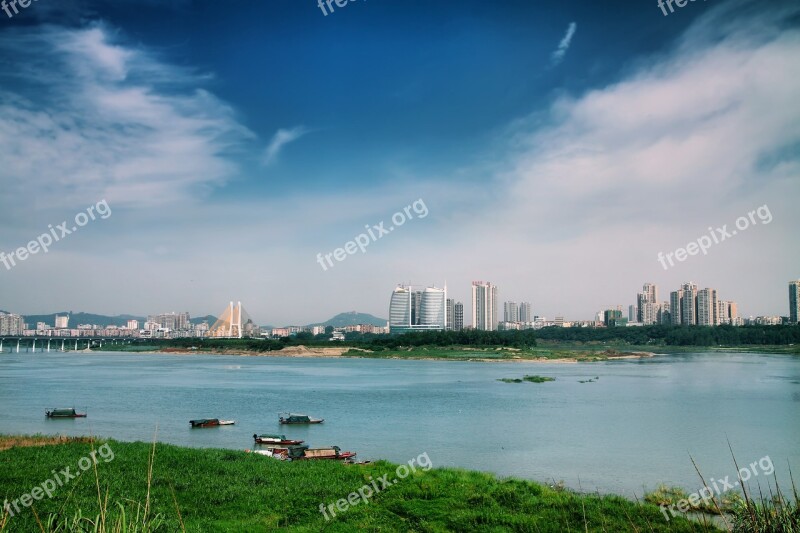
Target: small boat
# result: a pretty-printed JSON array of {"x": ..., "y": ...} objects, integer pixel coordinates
[
  {"x": 64, "y": 413},
  {"x": 204, "y": 423},
  {"x": 332, "y": 453},
  {"x": 275, "y": 439},
  {"x": 227, "y": 422},
  {"x": 281, "y": 455},
  {"x": 300, "y": 419}
]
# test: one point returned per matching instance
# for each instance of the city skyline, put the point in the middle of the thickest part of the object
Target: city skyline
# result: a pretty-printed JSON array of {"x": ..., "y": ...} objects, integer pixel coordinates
[{"x": 646, "y": 314}]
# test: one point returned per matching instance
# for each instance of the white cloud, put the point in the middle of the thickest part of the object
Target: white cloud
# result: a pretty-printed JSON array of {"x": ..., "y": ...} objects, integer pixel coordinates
[
  {"x": 84, "y": 116},
  {"x": 281, "y": 138},
  {"x": 563, "y": 46}
]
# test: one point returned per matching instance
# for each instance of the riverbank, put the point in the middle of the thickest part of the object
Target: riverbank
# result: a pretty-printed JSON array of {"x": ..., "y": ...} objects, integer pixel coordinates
[
  {"x": 226, "y": 490},
  {"x": 456, "y": 353}
]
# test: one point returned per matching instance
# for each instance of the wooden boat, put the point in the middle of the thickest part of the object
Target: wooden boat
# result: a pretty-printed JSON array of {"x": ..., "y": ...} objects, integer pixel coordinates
[
  {"x": 300, "y": 419},
  {"x": 64, "y": 413},
  {"x": 331, "y": 453},
  {"x": 204, "y": 423},
  {"x": 275, "y": 439}
]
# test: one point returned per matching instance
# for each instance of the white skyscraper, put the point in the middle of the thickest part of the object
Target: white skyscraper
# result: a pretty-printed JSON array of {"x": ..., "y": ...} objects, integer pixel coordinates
[
  {"x": 510, "y": 312},
  {"x": 525, "y": 312},
  {"x": 707, "y": 308},
  {"x": 412, "y": 309},
  {"x": 484, "y": 306}
]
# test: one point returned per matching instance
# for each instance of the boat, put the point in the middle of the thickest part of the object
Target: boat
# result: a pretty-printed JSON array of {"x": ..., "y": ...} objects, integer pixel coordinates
[
  {"x": 227, "y": 422},
  {"x": 275, "y": 439},
  {"x": 204, "y": 423},
  {"x": 300, "y": 419},
  {"x": 275, "y": 454},
  {"x": 68, "y": 412},
  {"x": 331, "y": 453}
]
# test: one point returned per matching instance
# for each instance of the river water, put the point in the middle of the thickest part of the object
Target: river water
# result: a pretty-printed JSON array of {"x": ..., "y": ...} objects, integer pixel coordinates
[{"x": 627, "y": 431}]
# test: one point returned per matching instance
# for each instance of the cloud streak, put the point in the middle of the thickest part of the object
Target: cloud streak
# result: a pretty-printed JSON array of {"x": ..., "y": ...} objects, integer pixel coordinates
[
  {"x": 558, "y": 55},
  {"x": 281, "y": 138}
]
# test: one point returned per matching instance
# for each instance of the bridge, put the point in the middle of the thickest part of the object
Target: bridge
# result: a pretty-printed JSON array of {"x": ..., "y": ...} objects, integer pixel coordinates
[{"x": 17, "y": 344}]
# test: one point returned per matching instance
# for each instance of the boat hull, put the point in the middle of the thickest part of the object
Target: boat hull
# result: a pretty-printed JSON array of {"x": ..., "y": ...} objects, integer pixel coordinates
[{"x": 205, "y": 423}]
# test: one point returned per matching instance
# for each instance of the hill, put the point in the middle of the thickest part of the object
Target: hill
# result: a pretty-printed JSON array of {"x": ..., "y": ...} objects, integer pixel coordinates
[
  {"x": 352, "y": 318},
  {"x": 100, "y": 320}
]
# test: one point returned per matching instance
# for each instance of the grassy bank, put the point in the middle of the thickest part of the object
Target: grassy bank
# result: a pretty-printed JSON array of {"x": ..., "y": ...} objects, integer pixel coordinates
[{"x": 223, "y": 490}]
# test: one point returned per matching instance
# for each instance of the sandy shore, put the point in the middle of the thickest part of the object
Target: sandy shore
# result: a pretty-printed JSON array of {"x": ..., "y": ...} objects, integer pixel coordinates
[{"x": 338, "y": 352}]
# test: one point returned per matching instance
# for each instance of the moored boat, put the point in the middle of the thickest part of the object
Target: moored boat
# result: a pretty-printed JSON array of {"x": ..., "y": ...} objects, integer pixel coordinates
[
  {"x": 68, "y": 412},
  {"x": 300, "y": 419},
  {"x": 275, "y": 439},
  {"x": 331, "y": 453},
  {"x": 204, "y": 422},
  {"x": 227, "y": 422}
]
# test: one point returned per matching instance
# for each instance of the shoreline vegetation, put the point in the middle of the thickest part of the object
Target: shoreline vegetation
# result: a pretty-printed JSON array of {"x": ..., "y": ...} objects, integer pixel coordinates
[
  {"x": 161, "y": 487},
  {"x": 552, "y": 345}
]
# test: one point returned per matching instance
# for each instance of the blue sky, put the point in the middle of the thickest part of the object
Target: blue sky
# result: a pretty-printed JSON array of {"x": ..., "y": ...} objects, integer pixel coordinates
[{"x": 559, "y": 146}]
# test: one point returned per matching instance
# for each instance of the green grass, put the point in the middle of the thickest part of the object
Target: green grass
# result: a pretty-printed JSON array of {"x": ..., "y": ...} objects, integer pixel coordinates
[
  {"x": 530, "y": 379},
  {"x": 461, "y": 353},
  {"x": 225, "y": 490}
]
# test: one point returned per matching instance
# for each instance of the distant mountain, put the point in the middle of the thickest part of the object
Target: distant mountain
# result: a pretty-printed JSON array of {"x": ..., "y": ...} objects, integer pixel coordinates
[
  {"x": 101, "y": 320},
  {"x": 200, "y": 319},
  {"x": 352, "y": 318}
]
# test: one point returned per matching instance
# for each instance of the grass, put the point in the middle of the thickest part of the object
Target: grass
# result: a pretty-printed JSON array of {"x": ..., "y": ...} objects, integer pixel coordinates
[
  {"x": 168, "y": 488},
  {"x": 530, "y": 379},
  {"x": 462, "y": 353}
]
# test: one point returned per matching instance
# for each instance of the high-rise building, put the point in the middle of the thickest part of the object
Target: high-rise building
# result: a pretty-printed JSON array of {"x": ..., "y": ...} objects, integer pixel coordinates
[
  {"x": 510, "y": 312},
  {"x": 612, "y": 317},
  {"x": 794, "y": 302},
  {"x": 676, "y": 307},
  {"x": 62, "y": 322},
  {"x": 484, "y": 306},
  {"x": 416, "y": 304},
  {"x": 451, "y": 312},
  {"x": 417, "y": 310},
  {"x": 632, "y": 313},
  {"x": 665, "y": 314},
  {"x": 433, "y": 310},
  {"x": 525, "y": 312},
  {"x": 707, "y": 308},
  {"x": 647, "y": 306},
  {"x": 689, "y": 304},
  {"x": 11, "y": 324},
  {"x": 400, "y": 309},
  {"x": 458, "y": 316},
  {"x": 133, "y": 324}
]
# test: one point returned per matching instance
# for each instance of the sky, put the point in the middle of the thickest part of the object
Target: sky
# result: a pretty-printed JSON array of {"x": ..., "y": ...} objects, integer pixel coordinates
[{"x": 553, "y": 148}]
